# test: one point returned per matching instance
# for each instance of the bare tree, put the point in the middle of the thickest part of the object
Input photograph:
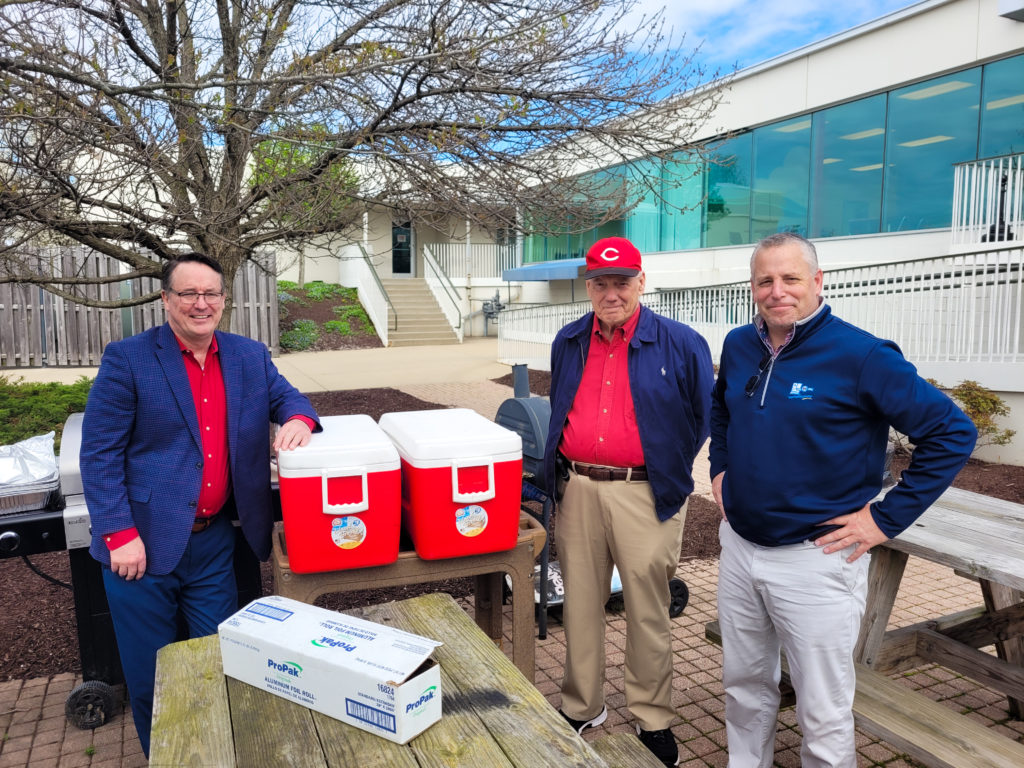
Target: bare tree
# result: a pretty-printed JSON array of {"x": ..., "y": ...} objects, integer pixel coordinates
[{"x": 142, "y": 128}]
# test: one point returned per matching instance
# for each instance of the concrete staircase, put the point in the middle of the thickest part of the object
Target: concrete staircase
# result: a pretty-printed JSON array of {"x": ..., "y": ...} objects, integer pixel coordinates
[{"x": 420, "y": 319}]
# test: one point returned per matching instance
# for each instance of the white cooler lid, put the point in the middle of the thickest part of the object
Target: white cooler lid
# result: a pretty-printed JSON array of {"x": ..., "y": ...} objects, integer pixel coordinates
[
  {"x": 346, "y": 441},
  {"x": 450, "y": 433}
]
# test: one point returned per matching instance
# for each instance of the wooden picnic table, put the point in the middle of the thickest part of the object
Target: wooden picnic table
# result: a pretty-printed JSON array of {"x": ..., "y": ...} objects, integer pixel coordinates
[{"x": 493, "y": 717}]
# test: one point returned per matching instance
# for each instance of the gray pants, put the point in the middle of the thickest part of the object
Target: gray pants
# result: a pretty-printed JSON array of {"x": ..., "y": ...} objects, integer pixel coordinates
[{"x": 809, "y": 604}]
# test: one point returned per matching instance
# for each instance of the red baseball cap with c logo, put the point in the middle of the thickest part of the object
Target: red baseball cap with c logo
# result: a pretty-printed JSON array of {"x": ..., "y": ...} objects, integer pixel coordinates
[{"x": 612, "y": 256}]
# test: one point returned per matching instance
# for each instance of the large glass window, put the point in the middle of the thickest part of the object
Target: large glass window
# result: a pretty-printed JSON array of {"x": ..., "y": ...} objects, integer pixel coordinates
[
  {"x": 727, "y": 208},
  {"x": 682, "y": 190},
  {"x": 782, "y": 154},
  {"x": 644, "y": 221},
  {"x": 932, "y": 125},
  {"x": 1002, "y": 112},
  {"x": 847, "y": 153}
]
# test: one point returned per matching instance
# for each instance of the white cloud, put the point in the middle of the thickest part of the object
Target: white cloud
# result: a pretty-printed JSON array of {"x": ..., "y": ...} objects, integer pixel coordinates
[{"x": 746, "y": 32}]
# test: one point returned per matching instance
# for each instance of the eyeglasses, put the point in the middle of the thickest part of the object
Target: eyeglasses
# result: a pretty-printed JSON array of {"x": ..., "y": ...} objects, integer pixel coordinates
[
  {"x": 752, "y": 382},
  {"x": 191, "y": 297}
]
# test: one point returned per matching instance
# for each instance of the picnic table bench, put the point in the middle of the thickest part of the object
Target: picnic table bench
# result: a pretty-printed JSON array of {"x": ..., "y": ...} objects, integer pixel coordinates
[{"x": 981, "y": 538}]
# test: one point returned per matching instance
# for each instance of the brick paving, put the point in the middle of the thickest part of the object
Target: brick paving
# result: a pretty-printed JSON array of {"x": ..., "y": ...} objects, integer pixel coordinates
[{"x": 34, "y": 732}]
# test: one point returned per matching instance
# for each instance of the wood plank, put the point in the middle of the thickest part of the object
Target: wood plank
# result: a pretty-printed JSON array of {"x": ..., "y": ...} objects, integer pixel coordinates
[
  {"x": 345, "y": 746},
  {"x": 1010, "y": 646},
  {"x": 993, "y": 626},
  {"x": 990, "y": 671},
  {"x": 978, "y": 534},
  {"x": 898, "y": 651},
  {"x": 624, "y": 750},
  {"x": 489, "y": 684},
  {"x": 884, "y": 576},
  {"x": 192, "y": 725},
  {"x": 927, "y": 731},
  {"x": 271, "y": 730}
]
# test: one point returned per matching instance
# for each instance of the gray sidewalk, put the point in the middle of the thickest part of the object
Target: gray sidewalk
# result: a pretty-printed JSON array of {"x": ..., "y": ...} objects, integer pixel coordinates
[{"x": 35, "y": 732}]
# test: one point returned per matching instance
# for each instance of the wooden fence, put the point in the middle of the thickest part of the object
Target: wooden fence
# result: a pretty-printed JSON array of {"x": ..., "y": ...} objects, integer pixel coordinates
[{"x": 38, "y": 328}]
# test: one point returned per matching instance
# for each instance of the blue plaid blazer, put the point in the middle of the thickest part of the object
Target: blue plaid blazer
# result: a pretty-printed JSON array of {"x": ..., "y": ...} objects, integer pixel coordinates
[{"x": 141, "y": 455}]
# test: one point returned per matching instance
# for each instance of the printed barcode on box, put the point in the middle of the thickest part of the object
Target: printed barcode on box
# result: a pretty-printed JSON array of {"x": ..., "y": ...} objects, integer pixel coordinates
[
  {"x": 270, "y": 611},
  {"x": 375, "y": 717}
]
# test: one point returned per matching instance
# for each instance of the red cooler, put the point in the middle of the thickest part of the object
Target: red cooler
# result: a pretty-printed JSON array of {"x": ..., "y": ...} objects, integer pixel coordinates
[
  {"x": 340, "y": 497},
  {"x": 462, "y": 479}
]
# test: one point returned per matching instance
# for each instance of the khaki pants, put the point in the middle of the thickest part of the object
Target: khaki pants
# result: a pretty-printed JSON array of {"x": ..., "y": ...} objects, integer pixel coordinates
[{"x": 601, "y": 524}]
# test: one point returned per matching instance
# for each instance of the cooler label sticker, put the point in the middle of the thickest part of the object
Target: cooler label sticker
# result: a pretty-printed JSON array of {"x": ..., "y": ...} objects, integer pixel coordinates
[
  {"x": 348, "y": 532},
  {"x": 471, "y": 521}
]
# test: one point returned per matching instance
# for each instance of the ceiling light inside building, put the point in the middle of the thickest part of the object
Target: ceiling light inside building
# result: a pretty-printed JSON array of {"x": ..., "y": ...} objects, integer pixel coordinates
[
  {"x": 863, "y": 134},
  {"x": 923, "y": 142},
  {"x": 935, "y": 90}
]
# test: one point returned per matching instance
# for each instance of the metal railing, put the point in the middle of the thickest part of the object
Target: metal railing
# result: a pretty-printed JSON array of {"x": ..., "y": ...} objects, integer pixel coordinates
[
  {"x": 447, "y": 296},
  {"x": 966, "y": 308},
  {"x": 374, "y": 298},
  {"x": 988, "y": 202},
  {"x": 480, "y": 260}
]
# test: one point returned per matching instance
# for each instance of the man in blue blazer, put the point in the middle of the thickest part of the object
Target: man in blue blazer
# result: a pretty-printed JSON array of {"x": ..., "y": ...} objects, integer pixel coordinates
[{"x": 175, "y": 445}]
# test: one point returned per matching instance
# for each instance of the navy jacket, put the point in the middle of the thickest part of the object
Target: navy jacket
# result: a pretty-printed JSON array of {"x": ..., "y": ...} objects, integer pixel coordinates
[
  {"x": 670, "y": 376},
  {"x": 808, "y": 442},
  {"x": 142, "y": 457}
]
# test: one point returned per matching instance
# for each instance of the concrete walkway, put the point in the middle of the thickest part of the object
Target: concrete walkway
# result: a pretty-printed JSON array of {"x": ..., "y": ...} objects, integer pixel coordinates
[{"x": 35, "y": 732}]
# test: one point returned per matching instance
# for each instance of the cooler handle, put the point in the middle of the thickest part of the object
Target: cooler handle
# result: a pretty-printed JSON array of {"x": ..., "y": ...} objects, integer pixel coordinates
[
  {"x": 344, "y": 509},
  {"x": 476, "y": 495}
]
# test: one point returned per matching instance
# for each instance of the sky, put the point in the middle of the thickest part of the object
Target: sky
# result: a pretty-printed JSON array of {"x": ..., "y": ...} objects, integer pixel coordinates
[{"x": 743, "y": 33}]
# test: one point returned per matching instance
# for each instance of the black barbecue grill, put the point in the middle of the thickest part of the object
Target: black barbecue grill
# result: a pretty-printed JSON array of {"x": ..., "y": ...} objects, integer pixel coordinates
[
  {"x": 529, "y": 417},
  {"x": 37, "y": 523},
  {"x": 62, "y": 522}
]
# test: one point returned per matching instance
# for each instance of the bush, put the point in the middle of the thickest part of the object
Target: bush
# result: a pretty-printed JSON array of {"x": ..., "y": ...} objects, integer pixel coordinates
[
  {"x": 982, "y": 406},
  {"x": 302, "y": 335},
  {"x": 286, "y": 285},
  {"x": 28, "y": 409}
]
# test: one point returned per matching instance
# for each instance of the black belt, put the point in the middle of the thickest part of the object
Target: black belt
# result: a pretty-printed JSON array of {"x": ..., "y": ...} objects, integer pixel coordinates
[
  {"x": 202, "y": 523},
  {"x": 638, "y": 474}
]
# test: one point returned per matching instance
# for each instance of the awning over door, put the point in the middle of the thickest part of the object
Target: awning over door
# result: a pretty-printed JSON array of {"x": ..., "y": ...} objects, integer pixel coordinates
[{"x": 566, "y": 269}]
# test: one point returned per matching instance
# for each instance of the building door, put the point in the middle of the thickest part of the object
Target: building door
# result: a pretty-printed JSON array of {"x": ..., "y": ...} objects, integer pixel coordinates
[{"x": 401, "y": 250}]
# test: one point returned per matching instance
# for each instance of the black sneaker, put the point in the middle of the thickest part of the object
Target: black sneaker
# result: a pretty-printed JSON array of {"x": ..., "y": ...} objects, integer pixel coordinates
[
  {"x": 662, "y": 744},
  {"x": 579, "y": 725}
]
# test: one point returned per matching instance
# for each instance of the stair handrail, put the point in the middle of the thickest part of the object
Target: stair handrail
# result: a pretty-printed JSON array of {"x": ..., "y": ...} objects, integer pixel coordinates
[
  {"x": 375, "y": 291},
  {"x": 442, "y": 288}
]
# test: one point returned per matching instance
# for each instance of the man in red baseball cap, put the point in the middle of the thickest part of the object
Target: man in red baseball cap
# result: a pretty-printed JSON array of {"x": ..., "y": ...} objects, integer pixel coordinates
[{"x": 630, "y": 408}]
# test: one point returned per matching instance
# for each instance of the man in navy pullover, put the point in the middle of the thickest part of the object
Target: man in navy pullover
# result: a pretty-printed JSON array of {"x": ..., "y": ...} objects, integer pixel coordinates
[
  {"x": 800, "y": 420},
  {"x": 630, "y": 405}
]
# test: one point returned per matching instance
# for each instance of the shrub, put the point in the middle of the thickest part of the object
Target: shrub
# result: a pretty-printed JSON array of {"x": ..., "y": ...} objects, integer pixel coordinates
[
  {"x": 28, "y": 409},
  {"x": 302, "y": 335},
  {"x": 982, "y": 405},
  {"x": 286, "y": 285}
]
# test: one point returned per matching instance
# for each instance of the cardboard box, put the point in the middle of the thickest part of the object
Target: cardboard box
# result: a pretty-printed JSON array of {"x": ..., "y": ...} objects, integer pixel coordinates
[
  {"x": 462, "y": 480},
  {"x": 368, "y": 675},
  {"x": 341, "y": 497}
]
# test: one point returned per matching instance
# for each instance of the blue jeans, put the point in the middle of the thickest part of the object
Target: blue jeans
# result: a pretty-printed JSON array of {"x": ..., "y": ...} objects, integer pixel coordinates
[{"x": 145, "y": 612}]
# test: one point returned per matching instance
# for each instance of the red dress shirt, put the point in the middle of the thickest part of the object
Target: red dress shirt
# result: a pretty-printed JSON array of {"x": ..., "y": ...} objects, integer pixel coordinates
[
  {"x": 601, "y": 425},
  {"x": 207, "y": 385}
]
